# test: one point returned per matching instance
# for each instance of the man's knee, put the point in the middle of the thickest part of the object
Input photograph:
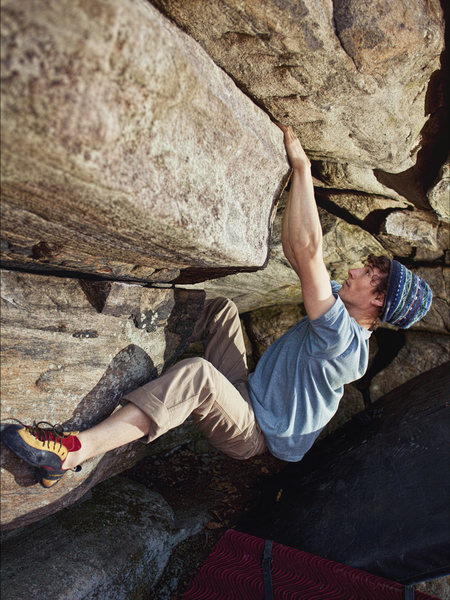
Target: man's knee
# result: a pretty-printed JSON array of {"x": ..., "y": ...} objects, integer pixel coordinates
[
  {"x": 231, "y": 306},
  {"x": 221, "y": 303},
  {"x": 194, "y": 364},
  {"x": 225, "y": 306}
]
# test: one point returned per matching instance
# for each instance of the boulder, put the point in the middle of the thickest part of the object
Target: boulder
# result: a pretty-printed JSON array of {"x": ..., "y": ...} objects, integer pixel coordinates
[
  {"x": 70, "y": 350},
  {"x": 365, "y": 208},
  {"x": 345, "y": 246},
  {"x": 439, "y": 195},
  {"x": 417, "y": 229},
  {"x": 439, "y": 587},
  {"x": 351, "y": 77},
  {"x": 277, "y": 283},
  {"x": 349, "y": 176},
  {"x": 112, "y": 545},
  {"x": 125, "y": 149},
  {"x": 422, "y": 351},
  {"x": 438, "y": 317}
]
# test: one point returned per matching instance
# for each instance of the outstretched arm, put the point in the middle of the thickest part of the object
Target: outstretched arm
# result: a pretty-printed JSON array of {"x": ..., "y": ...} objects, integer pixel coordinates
[{"x": 302, "y": 232}]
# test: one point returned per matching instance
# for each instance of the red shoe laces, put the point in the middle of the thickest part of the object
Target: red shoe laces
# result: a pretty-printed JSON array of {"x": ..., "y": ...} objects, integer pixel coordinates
[{"x": 52, "y": 433}]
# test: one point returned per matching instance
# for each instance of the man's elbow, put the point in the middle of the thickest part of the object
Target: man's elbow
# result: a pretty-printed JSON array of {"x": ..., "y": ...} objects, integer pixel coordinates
[{"x": 307, "y": 251}]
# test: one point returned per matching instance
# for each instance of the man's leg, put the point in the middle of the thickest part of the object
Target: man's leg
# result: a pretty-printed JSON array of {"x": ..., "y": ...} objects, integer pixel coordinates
[
  {"x": 219, "y": 327},
  {"x": 125, "y": 425},
  {"x": 192, "y": 387},
  {"x": 216, "y": 397},
  {"x": 223, "y": 411}
]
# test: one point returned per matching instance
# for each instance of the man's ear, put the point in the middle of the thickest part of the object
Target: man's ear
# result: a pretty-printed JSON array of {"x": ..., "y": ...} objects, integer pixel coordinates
[{"x": 378, "y": 300}]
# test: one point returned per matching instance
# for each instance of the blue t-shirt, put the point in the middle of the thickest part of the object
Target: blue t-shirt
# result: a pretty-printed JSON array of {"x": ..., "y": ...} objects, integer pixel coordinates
[{"x": 298, "y": 382}]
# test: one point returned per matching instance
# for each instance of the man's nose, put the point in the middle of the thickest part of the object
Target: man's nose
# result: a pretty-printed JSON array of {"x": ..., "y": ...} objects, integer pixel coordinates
[{"x": 355, "y": 273}]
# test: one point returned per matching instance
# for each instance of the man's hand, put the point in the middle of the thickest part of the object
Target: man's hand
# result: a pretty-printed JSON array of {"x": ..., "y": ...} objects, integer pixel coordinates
[{"x": 296, "y": 154}]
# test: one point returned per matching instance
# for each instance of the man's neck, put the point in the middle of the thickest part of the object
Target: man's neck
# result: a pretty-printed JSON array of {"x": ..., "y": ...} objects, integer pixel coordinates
[{"x": 361, "y": 318}]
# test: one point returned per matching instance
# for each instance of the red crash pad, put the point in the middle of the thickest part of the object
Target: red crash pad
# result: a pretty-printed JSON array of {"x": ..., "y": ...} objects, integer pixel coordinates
[{"x": 233, "y": 571}]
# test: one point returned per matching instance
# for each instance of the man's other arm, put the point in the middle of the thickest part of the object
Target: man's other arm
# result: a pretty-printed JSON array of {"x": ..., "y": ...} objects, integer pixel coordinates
[{"x": 302, "y": 232}]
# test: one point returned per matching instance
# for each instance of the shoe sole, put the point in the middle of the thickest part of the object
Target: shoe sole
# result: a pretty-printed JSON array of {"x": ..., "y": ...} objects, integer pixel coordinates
[{"x": 42, "y": 474}]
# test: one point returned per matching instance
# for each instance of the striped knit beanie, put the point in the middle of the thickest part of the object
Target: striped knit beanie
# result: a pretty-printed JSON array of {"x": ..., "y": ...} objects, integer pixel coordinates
[{"x": 408, "y": 297}]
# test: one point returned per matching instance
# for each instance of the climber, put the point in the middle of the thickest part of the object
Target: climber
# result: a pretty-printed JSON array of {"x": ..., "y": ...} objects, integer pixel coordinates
[{"x": 297, "y": 384}]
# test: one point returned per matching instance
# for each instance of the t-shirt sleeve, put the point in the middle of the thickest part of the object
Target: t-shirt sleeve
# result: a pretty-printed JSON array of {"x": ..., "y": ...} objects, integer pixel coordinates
[
  {"x": 335, "y": 287},
  {"x": 329, "y": 334}
]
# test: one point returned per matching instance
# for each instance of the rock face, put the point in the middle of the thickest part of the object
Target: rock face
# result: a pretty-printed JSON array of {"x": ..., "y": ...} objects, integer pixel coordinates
[
  {"x": 418, "y": 229},
  {"x": 125, "y": 147},
  {"x": 421, "y": 352},
  {"x": 120, "y": 540},
  {"x": 345, "y": 245},
  {"x": 438, "y": 318},
  {"x": 362, "y": 207},
  {"x": 439, "y": 194},
  {"x": 70, "y": 350},
  {"x": 349, "y": 76}
]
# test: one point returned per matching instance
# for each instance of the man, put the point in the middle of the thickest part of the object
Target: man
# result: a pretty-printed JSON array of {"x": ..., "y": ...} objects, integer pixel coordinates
[{"x": 298, "y": 382}]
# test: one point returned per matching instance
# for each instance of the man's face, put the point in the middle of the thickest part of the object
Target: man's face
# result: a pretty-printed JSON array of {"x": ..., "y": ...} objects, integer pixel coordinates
[{"x": 359, "y": 289}]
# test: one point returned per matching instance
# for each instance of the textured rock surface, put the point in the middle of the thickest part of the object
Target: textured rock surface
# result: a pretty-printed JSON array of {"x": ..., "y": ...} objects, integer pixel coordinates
[
  {"x": 418, "y": 229},
  {"x": 366, "y": 208},
  {"x": 350, "y": 176},
  {"x": 350, "y": 76},
  {"x": 421, "y": 352},
  {"x": 70, "y": 350},
  {"x": 440, "y": 587},
  {"x": 439, "y": 194},
  {"x": 438, "y": 318},
  {"x": 114, "y": 545},
  {"x": 345, "y": 245},
  {"x": 124, "y": 147}
]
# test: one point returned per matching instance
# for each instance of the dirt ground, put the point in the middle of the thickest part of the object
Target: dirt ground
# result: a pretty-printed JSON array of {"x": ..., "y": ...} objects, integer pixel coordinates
[{"x": 196, "y": 475}]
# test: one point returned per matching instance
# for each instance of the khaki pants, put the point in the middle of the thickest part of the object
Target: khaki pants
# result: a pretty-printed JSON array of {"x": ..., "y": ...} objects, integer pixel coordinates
[{"x": 212, "y": 389}]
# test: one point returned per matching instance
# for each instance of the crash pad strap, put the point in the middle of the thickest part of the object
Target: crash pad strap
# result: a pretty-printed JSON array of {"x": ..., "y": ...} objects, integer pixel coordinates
[{"x": 266, "y": 567}]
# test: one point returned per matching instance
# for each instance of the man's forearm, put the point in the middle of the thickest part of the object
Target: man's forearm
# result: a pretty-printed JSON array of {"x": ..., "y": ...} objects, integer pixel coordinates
[{"x": 302, "y": 232}]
